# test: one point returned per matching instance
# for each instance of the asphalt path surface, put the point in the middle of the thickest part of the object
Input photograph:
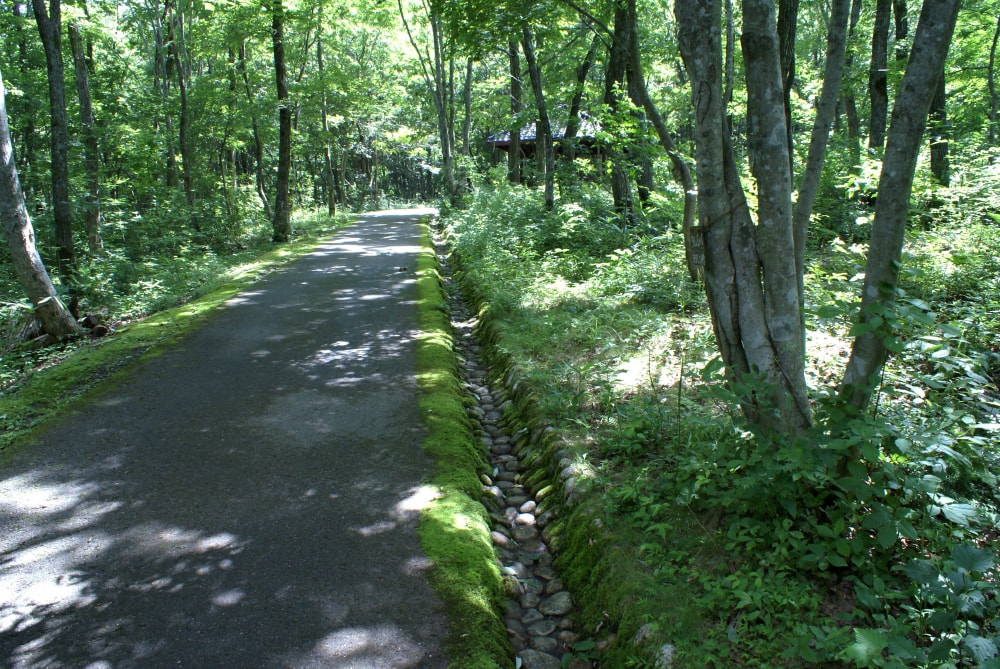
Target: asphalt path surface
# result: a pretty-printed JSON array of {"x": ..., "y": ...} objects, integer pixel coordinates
[{"x": 247, "y": 499}]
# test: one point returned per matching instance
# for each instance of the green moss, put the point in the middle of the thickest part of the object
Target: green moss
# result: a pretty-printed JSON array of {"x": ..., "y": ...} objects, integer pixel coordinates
[
  {"x": 454, "y": 530},
  {"x": 92, "y": 364}
]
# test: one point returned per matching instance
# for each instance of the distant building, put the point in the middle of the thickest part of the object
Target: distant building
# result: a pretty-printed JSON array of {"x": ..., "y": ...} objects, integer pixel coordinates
[{"x": 586, "y": 136}]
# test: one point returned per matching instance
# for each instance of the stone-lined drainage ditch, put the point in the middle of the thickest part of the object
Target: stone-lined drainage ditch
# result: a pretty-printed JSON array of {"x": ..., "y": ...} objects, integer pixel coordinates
[{"x": 537, "y": 614}]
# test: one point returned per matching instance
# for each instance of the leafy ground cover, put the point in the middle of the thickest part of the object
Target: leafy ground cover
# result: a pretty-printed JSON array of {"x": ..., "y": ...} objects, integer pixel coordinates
[{"x": 869, "y": 543}]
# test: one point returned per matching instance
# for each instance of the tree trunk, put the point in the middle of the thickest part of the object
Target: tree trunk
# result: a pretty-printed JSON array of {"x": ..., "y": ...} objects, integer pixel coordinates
[
  {"x": 49, "y": 29},
  {"x": 878, "y": 81},
  {"x": 694, "y": 247},
  {"x": 258, "y": 144},
  {"x": 467, "y": 103},
  {"x": 775, "y": 237},
  {"x": 329, "y": 189},
  {"x": 281, "y": 223},
  {"x": 442, "y": 96},
  {"x": 573, "y": 120},
  {"x": 909, "y": 116},
  {"x": 614, "y": 77},
  {"x": 514, "y": 150},
  {"x": 991, "y": 82},
  {"x": 751, "y": 286},
  {"x": 727, "y": 95},
  {"x": 27, "y": 264},
  {"x": 836, "y": 47},
  {"x": 902, "y": 28},
  {"x": 432, "y": 67},
  {"x": 938, "y": 120},
  {"x": 161, "y": 81},
  {"x": 788, "y": 13},
  {"x": 850, "y": 104},
  {"x": 91, "y": 150},
  {"x": 543, "y": 127},
  {"x": 174, "y": 24}
]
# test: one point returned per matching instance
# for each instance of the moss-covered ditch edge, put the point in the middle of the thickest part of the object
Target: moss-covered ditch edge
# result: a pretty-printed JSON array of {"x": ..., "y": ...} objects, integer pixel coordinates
[
  {"x": 616, "y": 597},
  {"x": 455, "y": 528}
]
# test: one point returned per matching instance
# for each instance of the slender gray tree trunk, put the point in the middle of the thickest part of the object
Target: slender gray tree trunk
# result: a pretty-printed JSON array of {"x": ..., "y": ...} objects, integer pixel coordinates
[
  {"x": 614, "y": 77},
  {"x": 258, "y": 143},
  {"x": 467, "y": 103},
  {"x": 331, "y": 191},
  {"x": 694, "y": 247},
  {"x": 91, "y": 150},
  {"x": 175, "y": 23},
  {"x": 992, "y": 84},
  {"x": 514, "y": 150},
  {"x": 938, "y": 119},
  {"x": 50, "y": 31},
  {"x": 909, "y": 118},
  {"x": 573, "y": 119},
  {"x": 750, "y": 283},
  {"x": 836, "y": 48},
  {"x": 17, "y": 228},
  {"x": 788, "y": 15},
  {"x": 281, "y": 223},
  {"x": 878, "y": 80},
  {"x": 902, "y": 28},
  {"x": 544, "y": 128}
]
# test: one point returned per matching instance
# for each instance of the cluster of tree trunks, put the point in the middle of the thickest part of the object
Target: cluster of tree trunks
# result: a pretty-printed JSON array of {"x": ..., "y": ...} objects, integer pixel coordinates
[{"x": 755, "y": 295}]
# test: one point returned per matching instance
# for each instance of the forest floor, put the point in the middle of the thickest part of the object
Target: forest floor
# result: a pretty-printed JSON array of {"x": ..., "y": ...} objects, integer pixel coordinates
[{"x": 247, "y": 498}]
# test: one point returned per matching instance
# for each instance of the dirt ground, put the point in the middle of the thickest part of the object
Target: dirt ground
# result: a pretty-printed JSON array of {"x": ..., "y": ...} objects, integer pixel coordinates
[{"x": 247, "y": 499}]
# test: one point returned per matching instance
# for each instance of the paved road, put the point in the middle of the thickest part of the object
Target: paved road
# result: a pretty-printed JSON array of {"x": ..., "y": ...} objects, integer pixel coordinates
[{"x": 248, "y": 499}]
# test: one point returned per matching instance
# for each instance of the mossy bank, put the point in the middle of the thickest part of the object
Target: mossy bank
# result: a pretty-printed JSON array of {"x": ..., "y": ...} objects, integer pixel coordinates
[{"x": 455, "y": 530}]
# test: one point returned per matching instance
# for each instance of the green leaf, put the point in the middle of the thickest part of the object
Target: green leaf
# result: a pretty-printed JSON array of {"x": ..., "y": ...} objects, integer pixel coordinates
[
  {"x": 836, "y": 561},
  {"x": 959, "y": 513},
  {"x": 868, "y": 645},
  {"x": 971, "y": 558},
  {"x": 941, "y": 650},
  {"x": 902, "y": 648},
  {"x": 843, "y": 547},
  {"x": 877, "y": 518},
  {"x": 907, "y": 530},
  {"x": 887, "y": 535}
]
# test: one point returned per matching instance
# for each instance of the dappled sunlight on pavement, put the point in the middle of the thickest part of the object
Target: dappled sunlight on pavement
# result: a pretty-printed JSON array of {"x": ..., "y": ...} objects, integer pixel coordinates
[{"x": 247, "y": 499}]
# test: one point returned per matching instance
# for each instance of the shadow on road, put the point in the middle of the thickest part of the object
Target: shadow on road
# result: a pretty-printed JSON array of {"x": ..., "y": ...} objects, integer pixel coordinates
[{"x": 248, "y": 499}]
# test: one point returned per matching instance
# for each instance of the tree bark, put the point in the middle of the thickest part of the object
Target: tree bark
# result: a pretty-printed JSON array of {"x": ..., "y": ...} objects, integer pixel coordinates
[
  {"x": 432, "y": 66},
  {"x": 788, "y": 14},
  {"x": 614, "y": 77},
  {"x": 17, "y": 228},
  {"x": 49, "y": 29},
  {"x": 991, "y": 83},
  {"x": 543, "y": 127},
  {"x": 753, "y": 299},
  {"x": 174, "y": 24},
  {"x": 909, "y": 117},
  {"x": 937, "y": 117},
  {"x": 258, "y": 144},
  {"x": 694, "y": 248},
  {"x": 573, "y": 120},
  {"x": 91, "y": 150},
  {"x": 281, "y": 223},
  {"x": 330, "y": 189},
  {"x": 836, "y": 48},
  {"x": 514, "y": 150},
  {"x": 775, "y": 238},
  {"x": 850, "y": 104},
  {"x": 161, "y": 81},
  {"x": 878, "y": 81},
  {"x": 467, "y": 103},
  {"x": 902, "y": 28}
]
